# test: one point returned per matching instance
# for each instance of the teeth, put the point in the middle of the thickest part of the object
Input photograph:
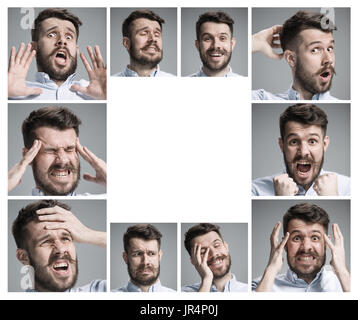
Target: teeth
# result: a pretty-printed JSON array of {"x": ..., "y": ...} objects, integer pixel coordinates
[
  {"x": 60, "y": 265},
  {"x": 60, "y": 174}
]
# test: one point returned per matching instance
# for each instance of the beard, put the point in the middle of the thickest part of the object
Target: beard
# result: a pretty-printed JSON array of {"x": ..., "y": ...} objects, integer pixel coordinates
[
  {"x": 308, "y": 80},
  {"x": 220, "y": 274},
  {"x": 45, "y": 282},
  {"x": 45, "y": 64},
  {"x": 51, "y": 188},
  {"x": 137, "y": 278},
  {"x": 144, "y": 60},
  {"x": 304, "y": 273},
  {"x": 212, "y": 66},
  {"x": 306, "y": 186}
]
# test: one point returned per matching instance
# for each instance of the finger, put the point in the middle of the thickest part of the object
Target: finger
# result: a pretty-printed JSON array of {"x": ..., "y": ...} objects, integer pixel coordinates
[
  {"x": 86, "y": 63},
  {"x": 55, "y": 226},
  {"x": 26, "y": 54},
  {"x": 205, "y": 258},
  {"x": 337, "y": 234},
  {"x": 32, "y": 152},
  {"x": 77, "y": 87},
  {"x": 51, "y": 210},
  {"x": 29, "y": 59},
  {"x": 276, "y": 29},
  {"x": 274, "y": 234},
  {"x": 92, "y": 57},
  {"x": 100, "y": 61},
  {"x": 12, "y": 57},
  {"x": 19, "y": 53},
  {"x": 328, "y": 241},
  {"x": 198, "y": 253},
  {"x": 89, "y": 178},
  {"x": 81, "y": 150},
  {"x": 283, "y": 242},
  {"x": 51, "y": 218}
]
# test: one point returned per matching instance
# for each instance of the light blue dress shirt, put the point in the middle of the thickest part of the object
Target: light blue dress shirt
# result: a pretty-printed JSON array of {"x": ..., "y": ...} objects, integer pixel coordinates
[
  {"x": 39, "y": 193},
  {"x": 51, "y": 91},
  {"x": 130, "y": 73},
  {"x": 290, "y": 94},
  {"x": 265, "y": 187},
  {"x": 131, "y": 287},
  {"x": 231, "y": 286},
  {"x": 325, "y": 281},
  {"x": 93, "y": 286},
  {"x": 202, "y": 74}
]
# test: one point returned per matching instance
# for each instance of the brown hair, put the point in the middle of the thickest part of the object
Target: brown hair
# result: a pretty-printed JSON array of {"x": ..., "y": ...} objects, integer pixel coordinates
[
  {"x": 302, "y": 113},
  {"x": 141, "y": 231},
  {"x": 57, "y": 117},
  {"x": 307, "y": 212},
  {"x": 28, "y": 214},
  {"x": 302, "y": 20},
  {"x": 215, "y": 16},
  {"x": 147, "y": 14},
  {"x": 199, "y": 230}
]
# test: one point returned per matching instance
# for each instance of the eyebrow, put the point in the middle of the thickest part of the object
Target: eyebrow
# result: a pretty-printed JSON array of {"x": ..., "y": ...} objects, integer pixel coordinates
[
  {"x": 146, "y": 27},
  {"x": 211, "y": 34},
  {"x": 296, "y": 135},
  {"x": 319, "y": 42},
  {"x": 55, "y": 27},
  {"x": 47, "y": 236},
  {"x": 300, "y": 232}
]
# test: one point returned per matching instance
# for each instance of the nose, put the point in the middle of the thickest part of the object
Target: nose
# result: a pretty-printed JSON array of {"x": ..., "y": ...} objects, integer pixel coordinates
[
  {"x": 61, "y": 39},
  {"x": 215, "y": 43},
  {"x": 61, "y": 156},
  {"x": 59, "y": 247},
  {"x": 303, "y": 149},
  {"x": 327, "y": 57},
  {"x": 145, "y": 259},
  {"x": 306, "y": 245}
]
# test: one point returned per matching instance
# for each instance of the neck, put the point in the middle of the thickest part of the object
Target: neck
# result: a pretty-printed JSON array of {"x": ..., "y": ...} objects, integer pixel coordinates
[
  {"x": 214, "y": 73},
  {"x": 58, "y": 82},
  {"x": 221, "y": 282},
  {"x": 142, "y": 70}
]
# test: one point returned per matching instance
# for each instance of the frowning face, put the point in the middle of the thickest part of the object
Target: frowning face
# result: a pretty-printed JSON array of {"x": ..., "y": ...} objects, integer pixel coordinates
[{"x": 56, "y": 167}]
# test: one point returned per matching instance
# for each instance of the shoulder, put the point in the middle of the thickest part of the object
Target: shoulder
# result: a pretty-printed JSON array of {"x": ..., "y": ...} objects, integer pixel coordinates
[
  {"x": 262, "y": 94},
  {"x": 191, "y": 288},
  {"x": 263, "y": 186},
  {"x": 93, "y": 286}
]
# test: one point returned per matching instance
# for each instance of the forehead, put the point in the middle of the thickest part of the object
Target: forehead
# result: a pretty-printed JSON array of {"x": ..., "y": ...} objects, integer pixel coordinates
[
  {"x": 55, "y": 23},
  {"x": 56, "y": 138},
  {"x": 300, "y": 129},
  {"x": 314, "y": 36},
  {"x": 206, "y": 239},
  {"x": 137, "y": 244},
  {"x": 37, "y": 231},
  {"x": 143, "y": 23},
  {"x": 214, "y": 28},
  {"x": 300, "y": 226}
]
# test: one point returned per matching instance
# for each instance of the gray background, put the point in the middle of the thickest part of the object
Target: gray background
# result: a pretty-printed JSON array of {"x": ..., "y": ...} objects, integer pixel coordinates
[
  {"x": 190, "y": 59},
  {"x": 267, "y": 158},
  {"x": 266, "y": 213},
  {"x": 235, "y": 234},
  {"x": 275, "y": 76},
  {"x": 91, "y": 259},
  {"x": 168, "y": 264},
  {"x": 92, "y": 32},
  {"x": 92, "y": 135},
  {"x": 119, "y": 55}
]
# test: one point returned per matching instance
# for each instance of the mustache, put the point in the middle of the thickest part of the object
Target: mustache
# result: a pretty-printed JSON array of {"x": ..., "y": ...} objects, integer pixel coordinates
[
  {"x": 311, "y": 253},
  {"x": 150, "y": 44},
  {"x": 65, "y": 256},
  {"x": 325, "y": 69},
  {"x": 220, "y": 51},
  {"x": 67, "y": 166},
  {"x": 222, "y": 257},
  {"x": 54, "y": 51}
]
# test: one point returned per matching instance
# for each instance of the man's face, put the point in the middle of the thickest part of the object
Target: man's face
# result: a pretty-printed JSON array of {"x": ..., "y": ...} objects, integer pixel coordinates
[
  {"x": 314, "y": 68},
  {"x": 57, "y": 48},
  {"x": 219, "y": 260},
  {"x": 303, "y": 149},
  {"x": 306, "y": 249},
  {"x": 52, "y": 254},
  {"x": 56, "y": 167},
  {"x": 143, "y": 261},
  {"x": 215, "y": 45},
  {"x": 145, "y": 44}
]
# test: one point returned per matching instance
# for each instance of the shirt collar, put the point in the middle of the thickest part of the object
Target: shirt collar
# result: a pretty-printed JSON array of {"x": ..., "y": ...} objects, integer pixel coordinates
[
  {"x": 294, "y": 95},
  {"x": 131, "y": 287},
  {"x": 227, "y": 284},
  {"x": 130, "y": 73},
  {"x": 293, "y": 277},
  {"x": 37, "y": 192},
  {"x": 44, "y": 78},
  {"x": 203, "y": 74}
]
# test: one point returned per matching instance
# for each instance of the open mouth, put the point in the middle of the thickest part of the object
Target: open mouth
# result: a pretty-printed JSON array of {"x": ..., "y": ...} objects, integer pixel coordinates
[
  {"x": 61, "y": 57},
  {"x": 61, "y": 268},
  {"x": 216, "y": 263},
  {"x": 60, "y": 174},
  {"x": 303, "y": 167},
  {"x": 306, "y": 258},
  {"x": 325, "y": 76}
]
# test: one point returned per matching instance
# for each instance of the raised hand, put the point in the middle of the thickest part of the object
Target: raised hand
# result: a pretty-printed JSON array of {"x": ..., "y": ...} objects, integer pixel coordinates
[
  {"x": 266, "y": 41},
  {"x": 19, "y": 65},
  {"x": 97, "y": 73},
  {"x": 96, "y": 163},
  {"x": 338, "y": 261},
  {"x": 17, "y": 171},
  {"x": 59, "y": 218},
  {"x": 201, "y": 265}
]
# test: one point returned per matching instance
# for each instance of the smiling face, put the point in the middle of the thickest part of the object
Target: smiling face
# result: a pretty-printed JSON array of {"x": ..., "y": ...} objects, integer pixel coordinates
[
  {"x": 143, "y": 261},
  {"x": 57, "y": 48},
  {"x": 219, "y": 260},
  {"x": 52, "y": 254},
  {"x": 303, "y": 147},
  {"x": 56, "y": 167},
  {"x": 215, "y": 45},
  {"x": 145, "y": 43},
  {"x": 314, "y": 68},
  {"x": 306, "y": 250}
]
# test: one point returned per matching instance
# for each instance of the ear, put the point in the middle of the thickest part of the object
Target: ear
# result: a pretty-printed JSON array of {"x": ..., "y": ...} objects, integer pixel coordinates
[
  {"x": 226, "y": 245},
  {"x": 326, "y": 141},
  {"x": 233, "y": 43},
  {"x": 126, "y": 43},
  {"x": 280, "y": 143},
  {"x": 33, "y": 45},
  {"x": 23, "y": 257},
  {"x": 197, "y": 44},
  {"x": 160, "y": 255},
  {"x": 290, "y": 57},
  {"x": 24, "y": 151},
  {"x": 125, "y": 258}
]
